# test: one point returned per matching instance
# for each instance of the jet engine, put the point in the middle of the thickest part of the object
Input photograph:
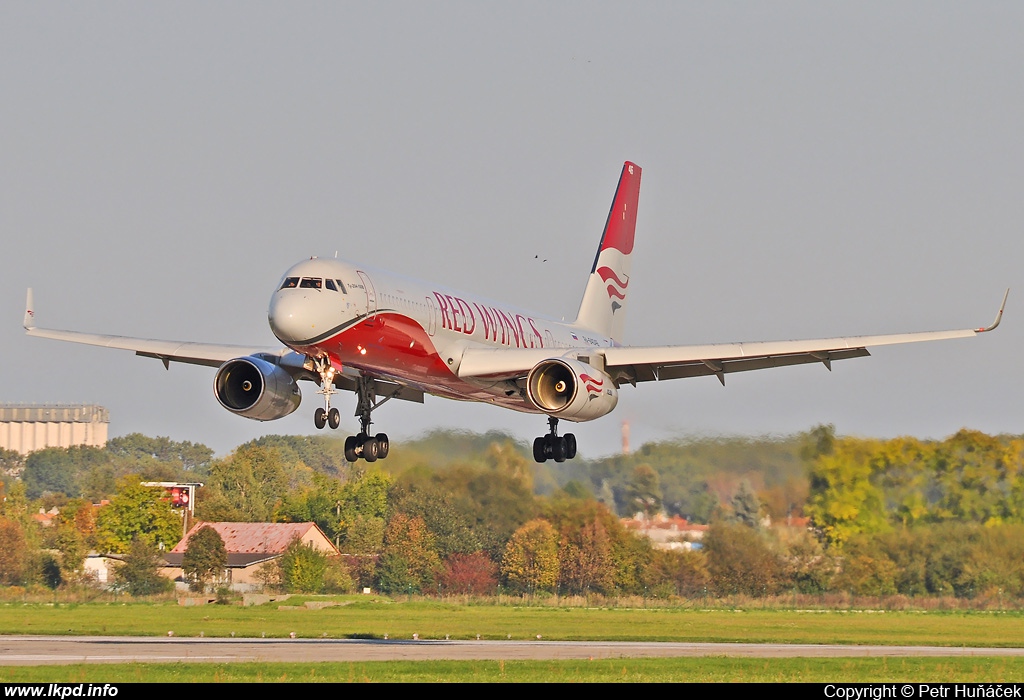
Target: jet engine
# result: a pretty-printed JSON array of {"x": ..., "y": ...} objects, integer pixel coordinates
[
  {"x": 570, "y": 389},
  {"x": 257, "y": 389}
]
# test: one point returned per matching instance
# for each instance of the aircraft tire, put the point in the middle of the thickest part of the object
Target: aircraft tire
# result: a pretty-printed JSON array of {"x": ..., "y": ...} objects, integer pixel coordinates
[
  {"x": 320, "y": 418},
  {"x": 540, "y": 450},
  {"x": 558, "y": 448},
  {"x": 383, "y": 445},
  {"x": 351, "y": 443},
  {"x": 370, "y": 450},
  {"x": 570, "y": 446},
  {"x": 334, "y": 418}
]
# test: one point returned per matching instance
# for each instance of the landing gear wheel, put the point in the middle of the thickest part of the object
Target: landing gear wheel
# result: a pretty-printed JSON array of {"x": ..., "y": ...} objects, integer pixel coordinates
[
  {"x": 333, "y": 418},
  {"x": 570, "y": 445},
  {"x": 551, "y": 446},
  {"x": 557, "y": 448},
  {"x": 371, "y": 450},
  {"x": 320, "y": 418},
  {"x": 383, "y": 445},
  {"x": 351, "y": 449},
  {"x": 540, "y": 450}
]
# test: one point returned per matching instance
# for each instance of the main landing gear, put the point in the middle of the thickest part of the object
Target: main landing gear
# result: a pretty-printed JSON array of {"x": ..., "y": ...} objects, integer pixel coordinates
[
  {"x": 553, "y": 446},
  {"x": 362, "y": 445}
]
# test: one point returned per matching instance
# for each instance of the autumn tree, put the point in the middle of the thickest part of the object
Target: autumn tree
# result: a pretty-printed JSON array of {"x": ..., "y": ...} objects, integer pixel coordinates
[
  {"x": 676, "y": 572},
  {"x": 644, "y": 492},
  {"x": 137, "y": 511},
  {"x": 303, "y": 569},
  {"x": 442, "y": 513},
  {"x": 319, "y": 503},
  {"x": 12, "y": 462},
  {"x": 585, "y": 559},
  {"x": 468, "y": 574},
  {"x": 139, "y": 572},
  {"x": 746, "y": 508},
  {"x": 61, "y": 469},
  {"x": 250, "y": 485},
  {"x": 740, "y": 560},
  {"x": 807, "y": 565},
  {"x": 408, "y": 563},
  {"x": 495, "y": 500},
  {"x": 361, "y": 501},
  {"x": 845, "y": 496},
  {"x": 71, "y": 550},
  {"x": 14, "y": 555},
  {"x": 158, "y": 458},
  {"x": 205, "y": 558},
  {"x": 865, "y": 570},
  {"x": 530, "y": 563}
]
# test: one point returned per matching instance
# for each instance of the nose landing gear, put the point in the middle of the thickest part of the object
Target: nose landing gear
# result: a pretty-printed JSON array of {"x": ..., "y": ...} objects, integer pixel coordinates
[
  {"x": 553, "y": 446},
  {"x": 326, "y": 415}
]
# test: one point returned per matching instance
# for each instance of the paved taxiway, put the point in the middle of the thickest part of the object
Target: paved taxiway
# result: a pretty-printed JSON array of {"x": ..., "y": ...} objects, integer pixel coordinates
[{"x": 39, "y": 650}]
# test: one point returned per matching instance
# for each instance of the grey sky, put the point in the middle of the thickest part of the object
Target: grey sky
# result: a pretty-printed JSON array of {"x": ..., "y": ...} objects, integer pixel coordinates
[{"x": 810, "y": 169}]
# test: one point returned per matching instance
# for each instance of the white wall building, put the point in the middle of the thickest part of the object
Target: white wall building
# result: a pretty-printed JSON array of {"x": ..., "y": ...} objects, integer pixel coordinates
[{"x": 26, "y": 428}]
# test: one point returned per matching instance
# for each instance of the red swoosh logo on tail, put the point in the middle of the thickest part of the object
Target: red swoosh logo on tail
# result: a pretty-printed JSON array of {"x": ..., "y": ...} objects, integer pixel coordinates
[{"x": 607, "y": 273}]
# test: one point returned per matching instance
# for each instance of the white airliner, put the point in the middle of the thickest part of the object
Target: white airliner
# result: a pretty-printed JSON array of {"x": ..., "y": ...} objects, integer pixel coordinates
[{"x": 351, "y": 327}]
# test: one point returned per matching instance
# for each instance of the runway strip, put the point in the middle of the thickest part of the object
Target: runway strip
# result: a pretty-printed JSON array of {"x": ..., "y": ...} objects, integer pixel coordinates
[{"x": 40, "y": 650}]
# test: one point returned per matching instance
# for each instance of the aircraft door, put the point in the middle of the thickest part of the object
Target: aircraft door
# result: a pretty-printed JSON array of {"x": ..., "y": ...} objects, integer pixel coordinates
[
  {"x": 371, "y": 294},
  {"x": 431, "y": 316}
]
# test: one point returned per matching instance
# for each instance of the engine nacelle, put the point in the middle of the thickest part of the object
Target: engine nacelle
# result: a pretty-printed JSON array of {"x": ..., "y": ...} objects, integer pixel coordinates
[
  {"x": 257, "y": 389},
  {"x": 571, "y": 389}
]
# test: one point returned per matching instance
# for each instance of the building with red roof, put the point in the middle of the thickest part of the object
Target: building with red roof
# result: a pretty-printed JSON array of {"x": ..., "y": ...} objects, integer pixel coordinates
[{"x": 250, "y": 547}]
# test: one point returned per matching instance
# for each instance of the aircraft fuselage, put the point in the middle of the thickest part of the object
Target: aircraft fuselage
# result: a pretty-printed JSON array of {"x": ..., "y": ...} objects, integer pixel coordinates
[{"x": 408, "y": 331}]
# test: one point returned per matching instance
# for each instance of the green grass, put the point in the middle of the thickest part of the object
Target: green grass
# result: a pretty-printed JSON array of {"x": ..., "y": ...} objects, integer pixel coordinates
[
  {"x": 361, "y": 616},
  {"x": 693, "y": 670},
  {"x": 374, "y": 618}
]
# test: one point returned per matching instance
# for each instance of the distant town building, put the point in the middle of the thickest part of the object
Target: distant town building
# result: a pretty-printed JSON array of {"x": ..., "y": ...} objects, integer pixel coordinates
[
  {"x": 667, "y": 532},
  {"x": 250, "y": 547},
  {"x": 26, "y": 428}
]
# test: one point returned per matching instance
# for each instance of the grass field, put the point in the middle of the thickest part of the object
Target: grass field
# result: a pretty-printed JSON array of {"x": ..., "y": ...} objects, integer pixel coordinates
[
  {"x": 365, "y": 617},
  {"x": 373, "y": 618},
  {"x": 689, "y": 670}
]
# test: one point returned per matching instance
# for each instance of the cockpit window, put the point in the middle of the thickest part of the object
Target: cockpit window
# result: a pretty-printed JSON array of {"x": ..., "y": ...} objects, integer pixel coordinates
[
  {"x": 341, "y": 286},
  {"x": 311, "y": 283},
  {"x": 330, "y": 285},
  {"x": 290, "y": 283}
]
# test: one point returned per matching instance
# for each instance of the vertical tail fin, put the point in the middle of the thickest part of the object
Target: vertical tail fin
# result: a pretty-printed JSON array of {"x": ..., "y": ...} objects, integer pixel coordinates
[{"x": 604, "y": 300}]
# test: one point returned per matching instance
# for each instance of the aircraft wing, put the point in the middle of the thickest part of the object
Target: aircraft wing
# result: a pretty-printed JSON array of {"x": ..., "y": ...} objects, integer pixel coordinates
[
  {"x": 164, "y": 350},
  {"x": 211, "y": 355},
  {"x": 642, "y": 364}
]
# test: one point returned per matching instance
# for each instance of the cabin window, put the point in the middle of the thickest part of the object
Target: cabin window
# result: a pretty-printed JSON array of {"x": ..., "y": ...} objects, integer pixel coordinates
[
  {"x": 290, "y": 283},
  {"x": 311, "y": 283}
]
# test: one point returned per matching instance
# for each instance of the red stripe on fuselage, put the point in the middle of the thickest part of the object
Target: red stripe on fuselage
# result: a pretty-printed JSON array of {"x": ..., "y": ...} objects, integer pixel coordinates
[{"x": 397, "y": 348}]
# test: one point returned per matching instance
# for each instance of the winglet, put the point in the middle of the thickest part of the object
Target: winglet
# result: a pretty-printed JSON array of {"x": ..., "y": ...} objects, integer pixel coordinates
[
  {"x": 999, "y": 316},
  {"x": 30, "y": 314}
]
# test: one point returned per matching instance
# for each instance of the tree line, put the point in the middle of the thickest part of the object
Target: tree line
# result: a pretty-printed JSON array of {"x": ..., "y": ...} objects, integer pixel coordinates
[{"x": 458, "y": 513}]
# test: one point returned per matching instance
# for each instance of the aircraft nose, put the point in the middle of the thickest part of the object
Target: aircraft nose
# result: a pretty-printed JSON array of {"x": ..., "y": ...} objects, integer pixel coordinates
[{"x": 289, "y": 317}]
